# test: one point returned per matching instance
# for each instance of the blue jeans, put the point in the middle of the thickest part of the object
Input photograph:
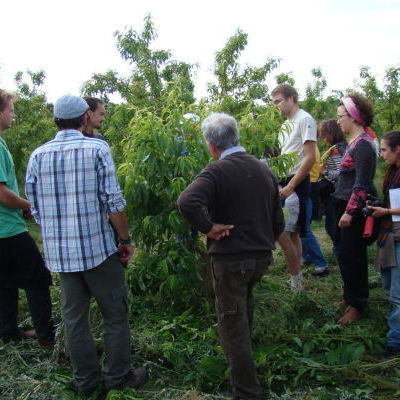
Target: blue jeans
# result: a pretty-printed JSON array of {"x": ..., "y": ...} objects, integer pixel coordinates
[
  {"x": 391, "y": 286},
  {"x": 311, "y": 250}
]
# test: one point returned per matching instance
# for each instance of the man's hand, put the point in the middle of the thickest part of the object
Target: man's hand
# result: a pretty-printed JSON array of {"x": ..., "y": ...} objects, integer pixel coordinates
[
  {"x": 285, "y": 192},
  {"x": 27, "y": 214},
  {"x": 11, "y": 200},
  {"x": 125, "y": 252},
  {"x": 345, "y": 220},
  {"x": 218, "y": 231}
]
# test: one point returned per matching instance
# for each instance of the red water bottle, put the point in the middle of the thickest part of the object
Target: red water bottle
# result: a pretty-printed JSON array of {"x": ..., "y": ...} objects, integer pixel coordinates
[{"x": 368, "y": 227}]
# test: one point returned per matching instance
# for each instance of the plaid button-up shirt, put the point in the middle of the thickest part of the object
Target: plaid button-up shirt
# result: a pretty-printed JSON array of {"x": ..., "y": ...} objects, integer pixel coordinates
[{"x": 72, "y": 186}]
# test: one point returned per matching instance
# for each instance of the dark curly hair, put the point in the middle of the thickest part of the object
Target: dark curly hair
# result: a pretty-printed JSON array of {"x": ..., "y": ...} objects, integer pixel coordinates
[
  {"x": 93, "y": 102},
  {"x": 330, "y": 131},
  {"x": 392, "y": 139},
  {"x": 73, "y": 123},
  {"x": 364, "y": 107}
]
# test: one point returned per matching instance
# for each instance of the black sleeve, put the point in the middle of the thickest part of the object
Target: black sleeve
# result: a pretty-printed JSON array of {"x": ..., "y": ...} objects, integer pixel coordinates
[
  {"x": 200, "y": 193},
  {"x": 278, "y": 218},
  {"x": 365, "y": 158}
]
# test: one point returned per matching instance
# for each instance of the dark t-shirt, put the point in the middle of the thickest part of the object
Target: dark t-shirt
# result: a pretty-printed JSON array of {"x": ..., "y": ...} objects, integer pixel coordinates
[{"x": 95, "y": 136}]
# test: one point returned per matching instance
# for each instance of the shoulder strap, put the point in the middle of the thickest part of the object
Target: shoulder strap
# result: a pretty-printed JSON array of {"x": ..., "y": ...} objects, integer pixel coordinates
[{"x": 327, "y": 154}]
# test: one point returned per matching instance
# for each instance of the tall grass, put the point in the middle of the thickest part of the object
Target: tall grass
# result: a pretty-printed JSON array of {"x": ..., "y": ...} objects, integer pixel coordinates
[{"x": 300, "y": 351}]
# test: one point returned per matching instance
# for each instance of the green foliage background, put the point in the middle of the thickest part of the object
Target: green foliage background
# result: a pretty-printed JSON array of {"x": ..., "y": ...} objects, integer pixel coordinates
[{"x": 155, "y": 136}]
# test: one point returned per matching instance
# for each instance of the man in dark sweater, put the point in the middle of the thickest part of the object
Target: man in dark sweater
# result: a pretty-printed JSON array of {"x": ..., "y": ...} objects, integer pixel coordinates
[{"x": 246, "y": 219}]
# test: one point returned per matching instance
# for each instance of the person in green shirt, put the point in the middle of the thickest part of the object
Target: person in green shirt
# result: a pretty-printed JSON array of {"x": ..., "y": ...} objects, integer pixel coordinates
[{"x": 22, "y": 266}]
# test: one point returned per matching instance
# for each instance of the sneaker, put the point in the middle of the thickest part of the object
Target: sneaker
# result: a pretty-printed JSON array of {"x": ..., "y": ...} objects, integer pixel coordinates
[
  {"x": 135, "y": 378},
  {"x": 296, "y": 282},
  {"x": 319, "y": 271},
  {"x": 390, "y": 352}
]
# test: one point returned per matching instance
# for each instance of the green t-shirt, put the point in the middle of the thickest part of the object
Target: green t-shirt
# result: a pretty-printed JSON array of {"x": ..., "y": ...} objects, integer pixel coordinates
[{"x": 11, "y": 220}]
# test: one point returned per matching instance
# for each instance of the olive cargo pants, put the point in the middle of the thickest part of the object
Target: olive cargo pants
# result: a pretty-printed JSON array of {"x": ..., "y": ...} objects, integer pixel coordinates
[
  {"x": 233, "y": 283},
  {"x": 106, "y": 283}
]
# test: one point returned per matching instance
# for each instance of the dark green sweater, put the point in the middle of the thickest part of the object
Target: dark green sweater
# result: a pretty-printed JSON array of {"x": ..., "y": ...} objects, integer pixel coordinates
[{"x": 238, "y": 190}]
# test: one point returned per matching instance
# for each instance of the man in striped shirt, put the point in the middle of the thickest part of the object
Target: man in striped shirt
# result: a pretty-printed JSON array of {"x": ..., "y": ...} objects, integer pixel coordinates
[{"x": 72, "y": 186}]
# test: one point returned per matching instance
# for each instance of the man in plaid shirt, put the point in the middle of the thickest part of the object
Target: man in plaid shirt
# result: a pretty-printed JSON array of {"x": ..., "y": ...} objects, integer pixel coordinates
[{"x": 72, "y": 186}]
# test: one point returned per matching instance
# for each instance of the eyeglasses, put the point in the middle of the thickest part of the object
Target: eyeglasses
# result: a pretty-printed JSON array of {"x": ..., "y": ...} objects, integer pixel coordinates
[{"x": 341, "y": 116}]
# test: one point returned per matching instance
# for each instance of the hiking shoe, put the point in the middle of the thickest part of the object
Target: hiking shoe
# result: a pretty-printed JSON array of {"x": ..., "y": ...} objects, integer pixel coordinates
[
  {"x": 389, "y": 353},
  {"x": 320, "y": 271},
  {"x": 134, "y": 379}
]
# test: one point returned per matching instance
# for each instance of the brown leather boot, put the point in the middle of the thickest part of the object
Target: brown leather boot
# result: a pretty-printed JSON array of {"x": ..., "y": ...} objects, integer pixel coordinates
[{"x": 135, "y": 378}]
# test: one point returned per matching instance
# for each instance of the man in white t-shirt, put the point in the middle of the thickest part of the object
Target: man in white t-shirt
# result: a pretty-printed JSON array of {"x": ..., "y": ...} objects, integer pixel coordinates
[{"x": 298, "y": 135}]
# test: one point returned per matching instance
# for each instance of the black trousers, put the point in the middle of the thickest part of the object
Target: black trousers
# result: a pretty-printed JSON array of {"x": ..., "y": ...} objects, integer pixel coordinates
[
  {"x": 233, "y": 283},
  {"x": 352, "y": 257},
  {"x": 39, "y": 306},
  {"x": 22, "y": 267}
]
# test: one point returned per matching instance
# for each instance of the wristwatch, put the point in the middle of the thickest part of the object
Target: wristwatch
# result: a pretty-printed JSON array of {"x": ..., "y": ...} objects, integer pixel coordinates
[{"x": 124, "y": 242}]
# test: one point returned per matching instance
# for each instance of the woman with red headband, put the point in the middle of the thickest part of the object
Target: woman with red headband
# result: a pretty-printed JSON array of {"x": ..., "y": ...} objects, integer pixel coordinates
[{"x": 355, "y": 182}]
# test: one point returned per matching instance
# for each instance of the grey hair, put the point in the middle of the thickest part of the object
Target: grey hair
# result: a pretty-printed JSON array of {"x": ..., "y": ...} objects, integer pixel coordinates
[{"x": 221, "y": 130}]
